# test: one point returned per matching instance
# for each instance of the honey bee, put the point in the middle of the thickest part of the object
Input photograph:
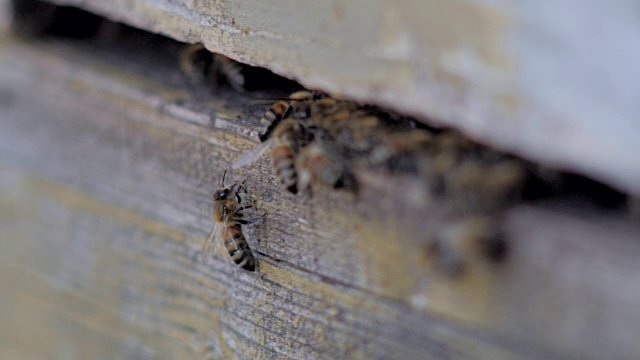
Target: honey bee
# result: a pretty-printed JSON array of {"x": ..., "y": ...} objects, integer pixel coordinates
[
  {"x": 296, "y": 106},
  {"x": 478, "y": 185},
  {"x": 283, "y": 130},
  {"x": 200, "y": 64},
  {"x": 316, "y": 165},
  {"x": 400, "y": 150},
  {"x": 446, "y": 151},
  {"x": 342, "y": 123},
  {"x": 195, "y": 61},
  {"x": 229, "y": 71},
  {"x": 293, "y": 129},
  {"x": 362, "y": 133},
  {"x": 229, "y": 215},
  {"x": 454, "y": 249},
  {"x": 286, "y": 142},
  {"x": 336, "y": 114},
  {"x": 284, "y": 153}
]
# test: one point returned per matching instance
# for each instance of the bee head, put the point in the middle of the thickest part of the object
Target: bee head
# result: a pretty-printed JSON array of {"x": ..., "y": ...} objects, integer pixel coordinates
[{"x": 224, "y": 193}]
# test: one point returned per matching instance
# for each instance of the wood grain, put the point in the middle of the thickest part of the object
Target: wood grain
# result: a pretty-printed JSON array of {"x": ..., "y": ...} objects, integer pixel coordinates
[
  {"x": 511, "y": 74},
  {"x": 108, "y": 160}
]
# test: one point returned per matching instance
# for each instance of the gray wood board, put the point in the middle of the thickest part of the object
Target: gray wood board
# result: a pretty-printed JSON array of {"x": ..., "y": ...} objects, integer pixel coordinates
[{"x": 107, "y": 177}]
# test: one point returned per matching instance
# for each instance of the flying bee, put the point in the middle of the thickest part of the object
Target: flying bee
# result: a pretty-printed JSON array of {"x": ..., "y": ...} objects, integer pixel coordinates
[
  {"x": 200, "y": 64},
  {"x": 229, "y": 215}
]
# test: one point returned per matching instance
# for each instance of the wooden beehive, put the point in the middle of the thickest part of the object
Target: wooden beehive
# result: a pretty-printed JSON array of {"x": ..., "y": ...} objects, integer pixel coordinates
[{"x": 109, "y": 158}]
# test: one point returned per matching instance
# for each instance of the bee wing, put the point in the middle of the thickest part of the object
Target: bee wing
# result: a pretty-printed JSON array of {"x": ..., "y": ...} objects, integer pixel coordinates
[
  {"x": 206, "y": 248},
  {"x": 251, "y": 155}
]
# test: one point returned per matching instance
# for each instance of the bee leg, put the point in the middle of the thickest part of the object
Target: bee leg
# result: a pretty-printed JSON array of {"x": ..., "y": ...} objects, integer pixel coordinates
[
  {"x": 241, "y": 220},
  {"x": 244, "y": 207},
  {"x": 255, "y": 219},
  {"x": 248, "y": 221},
  {"x": 308, "y": 212},
  {"x": 240, "y": 188},
  {"x": 238, "y": 214}
]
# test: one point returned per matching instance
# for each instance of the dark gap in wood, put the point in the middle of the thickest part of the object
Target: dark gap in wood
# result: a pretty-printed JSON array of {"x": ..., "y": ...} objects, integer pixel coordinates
[{"x": 41, "y": 19}]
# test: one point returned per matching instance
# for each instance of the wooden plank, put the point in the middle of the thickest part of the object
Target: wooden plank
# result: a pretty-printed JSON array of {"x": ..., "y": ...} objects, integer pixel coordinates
[
  {"x": 550, "y": 84},
  {"x": 106, "y": 181}
]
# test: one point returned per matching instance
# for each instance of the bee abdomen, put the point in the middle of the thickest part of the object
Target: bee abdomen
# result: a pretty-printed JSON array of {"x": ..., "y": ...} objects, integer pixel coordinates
[
  {"x": 283, "y": 163},
  {"x": 237, "y": 247},
  {"x": 272, "y": 118}
]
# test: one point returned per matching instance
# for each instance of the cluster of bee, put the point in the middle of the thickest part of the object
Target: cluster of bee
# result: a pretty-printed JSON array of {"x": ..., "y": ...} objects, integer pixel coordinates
[
  {"x": 303, "y": 132},
  {"x": 315, "y": 140}
]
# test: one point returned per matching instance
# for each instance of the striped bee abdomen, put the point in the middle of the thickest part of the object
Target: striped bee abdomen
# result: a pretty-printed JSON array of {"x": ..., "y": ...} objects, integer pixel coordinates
[
  {"x": 272, "y": 118},
  {"x": 284, "y": 166},
  {"x": 237, "y": 247}
]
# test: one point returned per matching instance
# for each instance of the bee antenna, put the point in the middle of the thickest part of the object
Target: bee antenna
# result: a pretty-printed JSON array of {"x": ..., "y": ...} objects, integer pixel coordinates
[{"x": 223, "y": 176}]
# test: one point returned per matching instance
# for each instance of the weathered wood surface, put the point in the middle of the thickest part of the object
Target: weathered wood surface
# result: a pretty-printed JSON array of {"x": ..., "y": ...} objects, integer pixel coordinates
[
  {"x": 108, "y": 161},
  {"x": 553, "y": 83}
]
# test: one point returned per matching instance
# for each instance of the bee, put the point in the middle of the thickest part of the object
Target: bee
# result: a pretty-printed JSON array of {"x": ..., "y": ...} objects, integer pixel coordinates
[
  {"x": 353, "y": 128},
  {"x": 478, "y": 185},
  {"x": 229, "y": 71},
  {"x": 401, "y": 150},
  {"x": 362, "y": 133},
  {"x": 271, "y": 119},
  {"x": 452, "y": 250},
  {"x": 286, "y": 141},
  {"x": 447, "y": 150},
  {"x": 289, "y": 127},
  {"x": 337, "y": 114},
  {"x": 200, "y": 64},
  {"x": 316, "y": 165},
  {"x": 229, "y": 215},
  {"x": 283, "y": 130},
  {"x": 285, "y": 150},
  {"x": 453, "y": 141},
  {"x": 296, "y": 106}
]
